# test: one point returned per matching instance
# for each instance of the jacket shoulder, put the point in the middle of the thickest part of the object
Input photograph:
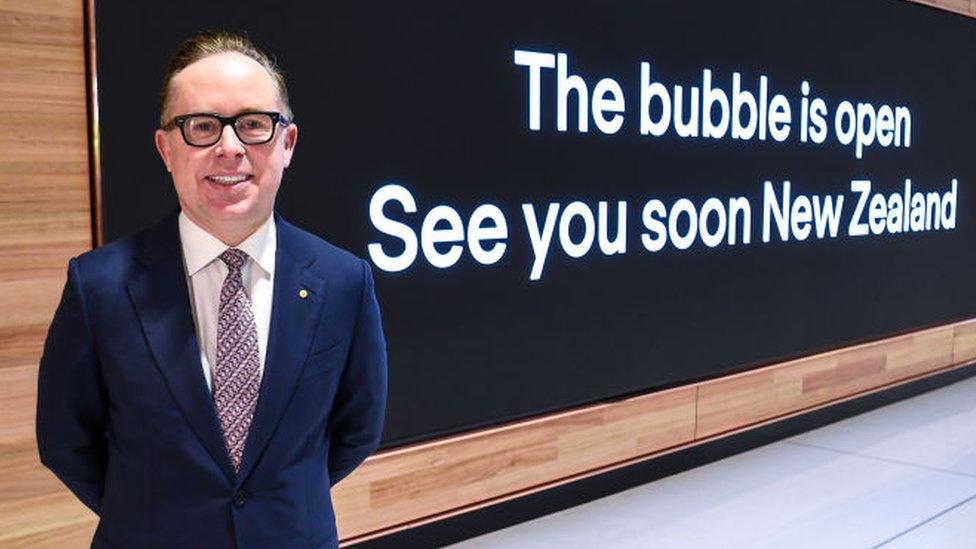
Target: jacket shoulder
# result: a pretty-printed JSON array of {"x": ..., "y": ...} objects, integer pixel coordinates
[
  {"x": 116, "y": 260},
  {"x": 327, "y": 255},
  {"x": 113, "y": 258}
]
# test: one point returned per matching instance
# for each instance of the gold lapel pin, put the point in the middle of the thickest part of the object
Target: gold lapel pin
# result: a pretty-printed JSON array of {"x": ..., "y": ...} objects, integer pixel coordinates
[{"x": 303, "y": 293}]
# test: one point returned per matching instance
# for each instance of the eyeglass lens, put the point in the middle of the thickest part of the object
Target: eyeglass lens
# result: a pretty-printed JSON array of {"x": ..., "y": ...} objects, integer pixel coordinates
[{"x": 251, "y": 129}]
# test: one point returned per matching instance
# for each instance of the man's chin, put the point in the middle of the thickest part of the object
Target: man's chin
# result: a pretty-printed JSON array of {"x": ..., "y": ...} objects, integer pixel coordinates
[{"x": 239, "y": 210}]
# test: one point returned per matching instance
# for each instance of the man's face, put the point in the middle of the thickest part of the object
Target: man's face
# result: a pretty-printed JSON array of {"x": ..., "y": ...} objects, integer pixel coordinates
[{"x": 228, "y": 188}]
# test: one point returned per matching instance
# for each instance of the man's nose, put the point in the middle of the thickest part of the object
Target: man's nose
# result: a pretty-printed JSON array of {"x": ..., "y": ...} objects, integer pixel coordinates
[{"x": 229, "y": 144}]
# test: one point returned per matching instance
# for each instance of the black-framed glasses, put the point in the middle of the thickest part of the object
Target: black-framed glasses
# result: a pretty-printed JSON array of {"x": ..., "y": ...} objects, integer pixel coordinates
[{"x": 204, "y": 129}]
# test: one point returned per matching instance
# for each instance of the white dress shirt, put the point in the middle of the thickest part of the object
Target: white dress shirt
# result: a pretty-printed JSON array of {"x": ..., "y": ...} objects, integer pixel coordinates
[{"x": 206, "y": 272}]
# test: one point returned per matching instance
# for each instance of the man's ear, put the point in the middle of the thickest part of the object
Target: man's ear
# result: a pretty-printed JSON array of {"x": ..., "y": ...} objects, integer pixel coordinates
[
  {"x": 291, "y": 139},
  {"x": 162, "y": 146}
]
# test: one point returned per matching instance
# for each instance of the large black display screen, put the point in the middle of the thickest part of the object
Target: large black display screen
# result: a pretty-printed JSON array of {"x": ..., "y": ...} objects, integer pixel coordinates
[{"x": 566, "y": 202}]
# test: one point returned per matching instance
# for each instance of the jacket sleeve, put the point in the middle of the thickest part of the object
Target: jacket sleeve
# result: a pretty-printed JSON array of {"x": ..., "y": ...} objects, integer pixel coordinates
[
  {"x": 356, "y": 420},
  {"x": 71, "y": 402}
]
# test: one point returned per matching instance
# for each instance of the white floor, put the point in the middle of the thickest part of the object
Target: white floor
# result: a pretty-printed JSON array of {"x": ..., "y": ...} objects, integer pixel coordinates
[{"x": 896, "y": 477}]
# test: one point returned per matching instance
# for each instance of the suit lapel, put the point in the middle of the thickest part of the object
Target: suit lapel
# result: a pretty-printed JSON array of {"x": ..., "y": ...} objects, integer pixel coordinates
[
  {"x": 293, "y": 321},
  {"x": 159, "y": 294}
]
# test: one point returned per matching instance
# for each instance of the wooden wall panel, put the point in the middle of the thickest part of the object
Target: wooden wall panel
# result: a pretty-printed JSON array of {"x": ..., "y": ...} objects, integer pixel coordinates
[
  {"x": 18, "y": 388},
  {"x": 963, "y": 7},
  {"x": 35, "y": 509},
  {"x": 733, "y": 402},
  {"x": 403, "y": 488},
  {"x": 964, "y": 342},
  {"x": 45, "y": 218},
  {"x": 409, "y": 484}
]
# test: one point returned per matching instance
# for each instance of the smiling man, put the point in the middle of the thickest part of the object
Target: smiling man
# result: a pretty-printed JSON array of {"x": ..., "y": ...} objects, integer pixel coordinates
[{"x": 205, "y": 382}]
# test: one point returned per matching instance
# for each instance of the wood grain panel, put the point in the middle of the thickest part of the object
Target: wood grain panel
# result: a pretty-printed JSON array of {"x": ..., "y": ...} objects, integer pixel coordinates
[
  {"x": 35, "y": 509},
  {"x": 964, "y": 342},
  {"x": 45, "y": 218},
  {"x": 409, "y": 484},
  {"x": 44, "y": 204},
  {"x": 57, "y": 536},
  {"x": 47, "y": 521},
  {"x": 18, "y": 398},
  {"x": 732, "y": 402},
  {"x": 963, "y": 7},
  {"x": 22, "y": 477},
  {"x": 428, "y": 482}
]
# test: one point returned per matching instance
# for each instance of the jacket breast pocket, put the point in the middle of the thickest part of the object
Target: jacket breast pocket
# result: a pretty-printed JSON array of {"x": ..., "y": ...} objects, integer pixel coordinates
[{"x": 326, "y": 359}]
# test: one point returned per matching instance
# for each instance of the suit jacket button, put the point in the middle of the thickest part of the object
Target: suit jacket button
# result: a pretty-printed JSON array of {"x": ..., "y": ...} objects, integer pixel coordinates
[{"x": 239, "y": 498}]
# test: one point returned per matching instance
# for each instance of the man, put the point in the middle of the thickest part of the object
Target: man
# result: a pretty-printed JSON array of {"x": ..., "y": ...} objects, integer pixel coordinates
[{"x": 205, "y": 382}]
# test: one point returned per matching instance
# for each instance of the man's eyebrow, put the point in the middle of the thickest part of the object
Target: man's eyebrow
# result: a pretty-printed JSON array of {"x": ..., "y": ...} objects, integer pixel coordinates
[
  {"x": 253, "y": 109},
  {"x": 235, "y": 113}
]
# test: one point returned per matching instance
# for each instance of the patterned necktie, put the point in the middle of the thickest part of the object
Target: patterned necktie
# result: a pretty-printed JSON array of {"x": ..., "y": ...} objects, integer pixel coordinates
[{"x": 236, "y": 375}]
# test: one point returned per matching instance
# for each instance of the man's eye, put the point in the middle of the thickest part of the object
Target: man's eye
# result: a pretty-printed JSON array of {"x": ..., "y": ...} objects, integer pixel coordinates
[
  {"x": 204, "y": 125},
  {"x": 253, "y": 124}
]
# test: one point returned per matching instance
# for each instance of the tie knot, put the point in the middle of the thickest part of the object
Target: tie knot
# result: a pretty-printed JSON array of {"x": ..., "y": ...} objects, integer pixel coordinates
[{"x": 234, "y": 258}]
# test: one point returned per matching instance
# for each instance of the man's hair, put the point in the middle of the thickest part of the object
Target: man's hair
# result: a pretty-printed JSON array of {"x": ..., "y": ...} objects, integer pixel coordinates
[{"x": 210, "y": 43}]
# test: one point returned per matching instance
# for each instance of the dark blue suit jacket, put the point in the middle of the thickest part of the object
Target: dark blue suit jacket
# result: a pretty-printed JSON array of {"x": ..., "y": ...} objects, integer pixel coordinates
[{"x": 126, "y": 421}]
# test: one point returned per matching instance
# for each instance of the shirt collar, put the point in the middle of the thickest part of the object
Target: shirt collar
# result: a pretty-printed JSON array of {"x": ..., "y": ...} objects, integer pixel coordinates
[{"x": 200, "y": 248}]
